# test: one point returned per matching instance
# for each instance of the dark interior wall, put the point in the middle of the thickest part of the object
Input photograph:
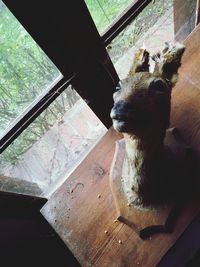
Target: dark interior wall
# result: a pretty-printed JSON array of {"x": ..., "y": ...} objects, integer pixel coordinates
[
  {"x": 26, "y": 239},
  {"x": 186, "y": 251}
]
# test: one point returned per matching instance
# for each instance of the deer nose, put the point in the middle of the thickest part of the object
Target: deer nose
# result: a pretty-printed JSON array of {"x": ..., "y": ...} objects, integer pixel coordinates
[{"x": 120, "y": 110}]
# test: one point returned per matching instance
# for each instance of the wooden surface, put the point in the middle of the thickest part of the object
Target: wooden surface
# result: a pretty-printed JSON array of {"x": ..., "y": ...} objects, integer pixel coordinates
[
  {"x": 82, "y": 211},
  {"x": 184, "y": 18},
  {"x": 185, "y": 112}
]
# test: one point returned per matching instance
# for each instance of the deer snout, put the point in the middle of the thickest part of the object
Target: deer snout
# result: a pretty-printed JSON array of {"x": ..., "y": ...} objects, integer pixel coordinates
[
  {"x": 120, "y": 115},
  {"x": 120, "y": 111}
]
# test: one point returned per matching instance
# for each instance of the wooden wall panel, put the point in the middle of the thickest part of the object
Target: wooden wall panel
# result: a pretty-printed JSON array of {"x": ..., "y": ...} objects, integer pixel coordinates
[
  {"x": 185, "y": 113},
  {"x": 184, "y": 18}
]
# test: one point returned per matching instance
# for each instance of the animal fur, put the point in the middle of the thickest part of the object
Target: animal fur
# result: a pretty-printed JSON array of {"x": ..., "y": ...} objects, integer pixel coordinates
[{"x": 141, "y": 112}]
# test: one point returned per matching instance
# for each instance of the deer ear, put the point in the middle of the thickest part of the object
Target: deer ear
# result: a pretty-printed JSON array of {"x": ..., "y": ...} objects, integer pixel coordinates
[{"x": 158, "y": 87}]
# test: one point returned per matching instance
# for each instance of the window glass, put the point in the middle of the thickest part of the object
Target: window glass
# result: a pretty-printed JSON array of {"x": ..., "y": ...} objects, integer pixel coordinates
[
  {"x": 153, "y": 27},
  {"x": 25, "y": 70},
  {"x": 104, "y": 12},
  {"x": 43, "y": 156}
]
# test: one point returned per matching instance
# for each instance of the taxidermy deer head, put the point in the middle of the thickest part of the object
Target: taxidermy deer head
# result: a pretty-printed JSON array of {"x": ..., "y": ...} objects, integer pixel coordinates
[{"x": 141, "y": 112}]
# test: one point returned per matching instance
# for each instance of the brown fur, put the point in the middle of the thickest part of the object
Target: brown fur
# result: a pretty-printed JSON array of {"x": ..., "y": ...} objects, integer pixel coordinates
[{"x": 141, "y": 112}]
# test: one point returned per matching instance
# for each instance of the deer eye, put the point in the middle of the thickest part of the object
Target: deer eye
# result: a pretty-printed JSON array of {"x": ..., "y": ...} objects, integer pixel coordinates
[{"x": 158, "y": 87}]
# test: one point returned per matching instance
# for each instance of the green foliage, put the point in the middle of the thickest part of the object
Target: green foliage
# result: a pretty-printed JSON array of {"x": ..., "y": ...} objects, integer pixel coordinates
[
  {"x": 25, "y": 73},
  {"x": 104, "y": 12}
]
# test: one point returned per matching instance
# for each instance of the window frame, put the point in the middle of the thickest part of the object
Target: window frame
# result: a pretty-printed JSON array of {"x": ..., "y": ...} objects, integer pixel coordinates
[
  {"x": 70, "y": 49},
  {"x": 120, "y": 23},
  {"x": 73, "y": 71},
  {"x": 33, "y": 112},
  {"x": 51, "y": 28}
]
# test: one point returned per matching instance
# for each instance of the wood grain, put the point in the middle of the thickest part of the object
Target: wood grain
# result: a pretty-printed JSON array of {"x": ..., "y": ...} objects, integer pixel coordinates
[
  {"x": 83, "y": 212},
  {"x": 184, "y": 18},
  {"x": 185, "y": 112}
]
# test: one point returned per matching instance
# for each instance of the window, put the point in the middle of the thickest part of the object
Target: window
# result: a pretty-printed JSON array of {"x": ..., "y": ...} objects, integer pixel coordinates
[
  {"x": 51, "y": 146},
  {"x": 152, "y": 27},
  {"x": 47, "y": 127},
  {"x": 154, "y": 19},
  {"x": 104, "y": 12},
  {"x": 149, "y": 23},
  {"x": 26, "y": 72},
  {"x": 145, "y": 29},
  {"x": 63, "y": 57}
]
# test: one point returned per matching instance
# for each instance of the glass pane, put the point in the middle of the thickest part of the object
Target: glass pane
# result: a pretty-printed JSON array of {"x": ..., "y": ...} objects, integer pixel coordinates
[
  {"x": 42, "y": 157},
  {"x": 153, "y": 27},
  {"x": 25, "y": 70},
  {"x": 104, "y": 12}
]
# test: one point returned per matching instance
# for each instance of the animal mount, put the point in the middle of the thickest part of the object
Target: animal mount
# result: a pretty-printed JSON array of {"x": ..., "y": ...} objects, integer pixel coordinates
[{"x": 153, "y": 171}]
